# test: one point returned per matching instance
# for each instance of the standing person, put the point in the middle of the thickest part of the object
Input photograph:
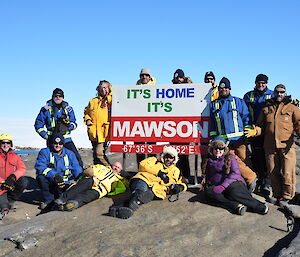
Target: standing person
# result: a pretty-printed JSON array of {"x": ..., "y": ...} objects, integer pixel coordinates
[
  {"x": 180, "y": 78},
  {"x": 229, "y": 116},
  {"x": 155, "y": 178},
  {"x": 278, "y": 121},
  {"x": 97, "y": 117},
  {"x": 146, "y": 78},
  {"x": 56, "y": 167},
  {"x": 256, "y": 101},
  {"x": 209, "y": 77},
  {"x": 58, "y": 117},
  {"x": 224, "y": 182},
  {"x": 97, "y": 181},
  {"x": 12, "y": 171},
  {"x": 183, "y": 162}
]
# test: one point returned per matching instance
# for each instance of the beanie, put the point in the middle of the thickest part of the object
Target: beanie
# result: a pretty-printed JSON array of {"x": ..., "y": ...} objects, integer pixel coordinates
[
  {"x": 224, "y": 83},
  {"x": 280, "y": 86},
  {"x": 58, "y": 91},
  {"x": 209, "y": 73},
  {"x": 261, "y": 77},
  {"x": 145, "y": 71},
  {"x": 179, "y": 73},
  {"x": 58, "y": 138}
]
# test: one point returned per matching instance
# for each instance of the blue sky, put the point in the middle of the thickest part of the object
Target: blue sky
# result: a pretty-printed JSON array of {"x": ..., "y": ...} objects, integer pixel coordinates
[{"x": 74, "y": 44}]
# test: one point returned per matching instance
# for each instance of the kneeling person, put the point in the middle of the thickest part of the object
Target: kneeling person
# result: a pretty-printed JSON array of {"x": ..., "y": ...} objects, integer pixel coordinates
[
  {"x": 155, "y": 178},
  {"x": 12, "y": 171},
  {"x": 97, "y": 181},
  {"x": 56, "y": 168}
]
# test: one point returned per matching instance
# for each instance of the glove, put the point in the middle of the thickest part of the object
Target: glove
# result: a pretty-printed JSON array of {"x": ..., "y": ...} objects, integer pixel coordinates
[
  {"x": 218, "y": 189},
  {"x": 9, "y": 183},
  {"x": 59, "y": 181},
  {"x": 66, "y": 120},
  {"x": 250, "y": 132},
  {"x": 45, "y": 137},
  {"x": 164, "y": 177},
  {"x": 296, "y": 102},
  {"x": 176, "y": 189}
]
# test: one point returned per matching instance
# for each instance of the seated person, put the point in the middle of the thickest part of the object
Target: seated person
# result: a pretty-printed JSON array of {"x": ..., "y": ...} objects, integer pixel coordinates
[
  {"x": 12, "y": 171},
  {"x": 97, "y": 181},
  {"x": 56, "y": 167},
  {"x": 155, "y": 178},
  {"x": 224, "y": 183}
]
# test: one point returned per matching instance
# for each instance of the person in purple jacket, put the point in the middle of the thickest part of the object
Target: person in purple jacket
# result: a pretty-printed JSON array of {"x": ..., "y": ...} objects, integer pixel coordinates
[{"x": 224, "y": 183}]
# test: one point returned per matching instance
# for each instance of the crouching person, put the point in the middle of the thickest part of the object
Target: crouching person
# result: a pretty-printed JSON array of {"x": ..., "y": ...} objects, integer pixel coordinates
[
  {"x": 224, "y": 184},
  {"x": 12, "y": 171},
  {"x": 96, "y": 182},
  {"x": 155, "y": 178},
  {"x": 56, "y": 168}
]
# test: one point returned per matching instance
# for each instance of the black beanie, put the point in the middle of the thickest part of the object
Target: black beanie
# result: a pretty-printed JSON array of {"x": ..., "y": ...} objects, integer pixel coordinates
[
  {"x": 209, "y": 73},
  {"x": 58, "y": 91},
  {"x": 179, "y": 73},
  {"x": 58, "y": 138},
  {"x": 262, "y": 77},
  {"x": 224, "y": 83}
]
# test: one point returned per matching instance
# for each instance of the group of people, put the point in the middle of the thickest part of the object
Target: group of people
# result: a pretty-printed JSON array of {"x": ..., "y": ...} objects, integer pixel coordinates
[{"x": 252, "y": 148}]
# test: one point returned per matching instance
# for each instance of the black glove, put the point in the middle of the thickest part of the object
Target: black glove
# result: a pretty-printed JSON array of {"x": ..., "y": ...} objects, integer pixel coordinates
[
  {"x": 9, "y": 183},
  {"x": 164, "y": 177},
  {"x": 176, "y": 189},
  {"x": 59, "y": 181}
]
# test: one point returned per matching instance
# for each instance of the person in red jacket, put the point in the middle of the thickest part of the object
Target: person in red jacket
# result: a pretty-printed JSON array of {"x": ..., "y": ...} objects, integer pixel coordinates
[{"x": 12, "y": 171}]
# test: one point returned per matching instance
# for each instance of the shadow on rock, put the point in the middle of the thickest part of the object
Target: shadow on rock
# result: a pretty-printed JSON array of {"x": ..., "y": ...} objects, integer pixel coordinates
[{"x": 32, "y": 193}]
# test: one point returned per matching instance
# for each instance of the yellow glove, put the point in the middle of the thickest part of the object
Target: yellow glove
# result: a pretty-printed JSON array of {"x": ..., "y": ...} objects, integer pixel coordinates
[
  {"x": 296, "y": 102},
  {"x": 250, "y": 132}
]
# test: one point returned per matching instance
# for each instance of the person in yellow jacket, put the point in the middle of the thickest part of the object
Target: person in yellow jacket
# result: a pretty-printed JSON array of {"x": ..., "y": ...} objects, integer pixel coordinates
[
  {"x": 155, "y": 178},
  {"x": 209, "y": 77},
  {"x": 97, "y": 117},
  {"x": 146, "y": 78},
  {"x": 97, "y": 181}
]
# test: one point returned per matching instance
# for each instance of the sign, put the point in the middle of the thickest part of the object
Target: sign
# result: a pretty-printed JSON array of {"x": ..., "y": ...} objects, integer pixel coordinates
[{"x": 175, "y": 113}]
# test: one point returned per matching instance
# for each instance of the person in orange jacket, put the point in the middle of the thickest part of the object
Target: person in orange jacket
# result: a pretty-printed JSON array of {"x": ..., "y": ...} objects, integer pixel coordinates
[{"x": 12, "y": 171}]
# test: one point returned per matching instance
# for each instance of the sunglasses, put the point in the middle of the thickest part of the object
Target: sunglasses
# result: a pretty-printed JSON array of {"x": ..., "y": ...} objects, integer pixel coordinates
[
  {"x": 8, "y": 143},
  {"x": 220, "y": 148},
  {"x": 59, "y": 143},
  {"x": 279, "y": 92},
  {"x": 168, "y": 156},
  {"x": 58, "y": 96}
]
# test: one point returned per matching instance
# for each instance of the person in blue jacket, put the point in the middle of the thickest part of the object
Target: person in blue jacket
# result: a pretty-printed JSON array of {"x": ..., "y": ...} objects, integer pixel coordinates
[
  {"x": 56, "y": 167},
  {"x": 229, "y": 116},
  {"x": 256, "y": 100},
  {"x": 57, "y": 116}
]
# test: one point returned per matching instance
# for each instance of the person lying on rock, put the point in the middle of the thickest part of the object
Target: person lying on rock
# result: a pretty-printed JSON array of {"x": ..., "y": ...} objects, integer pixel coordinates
[
  {"x": 97, "y": 181},
  {"x": 12, "y": 179},
  {"x": 155, "y": 179},
  {"x": 223, "y": 181},
  {"x": 56, "y": 169}
]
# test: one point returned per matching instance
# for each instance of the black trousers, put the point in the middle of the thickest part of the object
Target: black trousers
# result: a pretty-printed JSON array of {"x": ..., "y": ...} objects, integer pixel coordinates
[
  {"x": 258, "y": 158},
  {"x": 233, "y": 195},
  {"x": 81, "y": 192},
  {"x": 15, "y": 194},
  {"x": 183, "y": 163}
]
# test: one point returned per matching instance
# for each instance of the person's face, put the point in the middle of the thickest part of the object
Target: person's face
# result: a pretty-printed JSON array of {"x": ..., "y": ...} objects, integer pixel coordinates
[
  {"x": 279, "y": 94},
  {"x": 209, "y": 79},
  {"x": 218, "y": 152},
  {"x": 58, "y": 146},
  {"x": 145, "y": 78},
  {"x": 168, "y": 160},
  {"x": 117, "y": 167},
  {"x": 5, "y": 145},
  {"x": 104, "y": 89},
  {"x": 179, "y": 80},
  {"x": 260, "y": 85},
  {"x": 224, "y": 91},
  {"x": 58, "y": 99}
]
